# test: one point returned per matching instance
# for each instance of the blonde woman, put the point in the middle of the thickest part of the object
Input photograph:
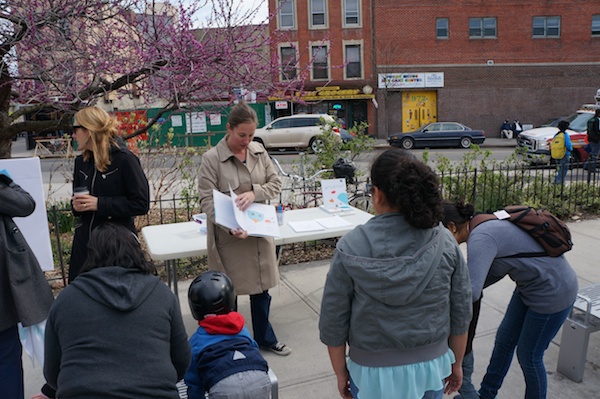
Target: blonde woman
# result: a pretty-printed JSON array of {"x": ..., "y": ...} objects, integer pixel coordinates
[{"x": 108, "y": 183}]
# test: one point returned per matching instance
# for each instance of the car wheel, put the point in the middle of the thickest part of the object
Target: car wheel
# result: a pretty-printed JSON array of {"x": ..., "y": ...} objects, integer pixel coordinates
[
  {"x": 465, "y": 142},
  {"x": 316, "y": 145},
  {"x": 407, "y": 143}
]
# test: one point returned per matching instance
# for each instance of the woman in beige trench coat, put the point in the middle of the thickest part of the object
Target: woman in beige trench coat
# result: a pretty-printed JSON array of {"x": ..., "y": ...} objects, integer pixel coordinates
[{"x": 250, "y": 262}]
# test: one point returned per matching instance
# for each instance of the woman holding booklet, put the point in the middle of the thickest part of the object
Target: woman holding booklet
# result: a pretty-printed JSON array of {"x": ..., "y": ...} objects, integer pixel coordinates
[{"x": 250, "y": 262}]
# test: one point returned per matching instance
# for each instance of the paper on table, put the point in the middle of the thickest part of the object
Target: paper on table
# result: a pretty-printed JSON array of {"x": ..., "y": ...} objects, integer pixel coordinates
[
  {"x": 306, "y": 225},
  {"x": 343, "y": 210},
  {"x": 333, "y": 222},
  {"x": 259, "y": 220}
]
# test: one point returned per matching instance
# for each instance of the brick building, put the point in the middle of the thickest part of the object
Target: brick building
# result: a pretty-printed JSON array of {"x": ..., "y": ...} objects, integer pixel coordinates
[
  {"x": 325, "y": 45},
  {"x": 475, "y": 62}
]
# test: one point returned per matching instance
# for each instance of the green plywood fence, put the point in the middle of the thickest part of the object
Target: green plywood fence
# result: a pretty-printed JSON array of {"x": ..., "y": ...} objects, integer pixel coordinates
[{"x": 198, "y": 127}]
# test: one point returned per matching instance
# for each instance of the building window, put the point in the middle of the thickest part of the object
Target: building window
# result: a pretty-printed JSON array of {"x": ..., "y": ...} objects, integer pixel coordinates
[
  {"x": 595, "y": 25},
  {"x": 482, "y": 28},
  {"x": 546, "y": 26},
  {"x": 351, "y": 12},
  {"x": 318, "y": 13},
  {"x": 288, "y": 63},
  {"x": 286, "y": 14},
  {"x": 441, "y": 28},
  {"x": 320, "y": 67},
  {"x": 353, "y": 61}
]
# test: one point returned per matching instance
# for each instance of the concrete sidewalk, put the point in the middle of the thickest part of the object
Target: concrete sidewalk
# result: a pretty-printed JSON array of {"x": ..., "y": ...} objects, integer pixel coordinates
[{"x": 307, "y": 374}]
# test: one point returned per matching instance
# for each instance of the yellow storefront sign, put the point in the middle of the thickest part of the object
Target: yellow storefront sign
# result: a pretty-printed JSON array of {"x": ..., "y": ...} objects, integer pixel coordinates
[{"x": 323, "y": 93}]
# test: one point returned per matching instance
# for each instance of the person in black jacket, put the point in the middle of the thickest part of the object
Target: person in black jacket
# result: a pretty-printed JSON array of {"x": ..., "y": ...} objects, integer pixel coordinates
[
  {"x": 117, "y": 189},
  {"x": 25, "y": 296},
  {"x": 116, "y": 331}
]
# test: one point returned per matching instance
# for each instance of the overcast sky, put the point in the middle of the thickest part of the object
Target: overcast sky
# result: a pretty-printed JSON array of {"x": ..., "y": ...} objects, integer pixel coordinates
[{"x": 240, "y": 5}]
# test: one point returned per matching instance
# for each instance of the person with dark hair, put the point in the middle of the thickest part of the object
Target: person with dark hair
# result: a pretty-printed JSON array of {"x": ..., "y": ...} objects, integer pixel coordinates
[
  {"x": 116, "y": 331},
  {"x": 516, "y": 128},
  {"x": 115, "y": 186},
  {"x": 546, "y": 288},
  {"x": 25, "y": 295},
  {"x": 506, "y": 130},
  {"x": 561, "y": 145},
  {"x": 593, "y": 135},
  {"x": 398, "y": 292},
  {"x": 243, "y": 165},
  {"x": 226, "y": 362}
]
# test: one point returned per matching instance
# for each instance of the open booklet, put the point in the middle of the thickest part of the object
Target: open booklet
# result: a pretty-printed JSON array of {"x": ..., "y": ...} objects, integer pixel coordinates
[
  {"x": 335, "y": 197},
  {"x": 258, "y": 220}
]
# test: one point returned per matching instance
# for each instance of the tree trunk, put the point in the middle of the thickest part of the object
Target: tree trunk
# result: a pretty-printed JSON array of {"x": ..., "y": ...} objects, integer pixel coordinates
[
  {"x": 5, "y": 147},
  {"x": 5, "y": 136}
]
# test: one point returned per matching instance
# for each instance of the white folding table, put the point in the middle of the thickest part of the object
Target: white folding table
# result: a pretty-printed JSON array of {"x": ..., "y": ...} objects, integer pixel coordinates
[{"x": 169, "y": 242}]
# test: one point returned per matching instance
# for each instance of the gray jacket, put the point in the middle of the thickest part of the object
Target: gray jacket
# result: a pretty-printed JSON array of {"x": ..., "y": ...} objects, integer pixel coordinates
[
  {"x": 395, "y": 293},
  {"x": 545, "y": 284},
  {"x": 25, "y": 295}
]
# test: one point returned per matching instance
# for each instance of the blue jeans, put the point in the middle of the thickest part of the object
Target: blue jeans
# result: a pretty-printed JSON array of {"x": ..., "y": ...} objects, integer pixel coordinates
[
  {"x": 562, "y": 169},
  {"x": 467, "y": 390},
  {"x": 260, "y": 305},
  {"x": 594, "y": 150},
  {"x": 530, "y": 333},
  {"x": 428, "y": 394},
  {"x": 11, "y": 366}
]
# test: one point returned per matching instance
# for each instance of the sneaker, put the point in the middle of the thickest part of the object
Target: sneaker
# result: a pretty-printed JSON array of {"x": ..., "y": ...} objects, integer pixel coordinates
[{"x": 280, "y": 349}]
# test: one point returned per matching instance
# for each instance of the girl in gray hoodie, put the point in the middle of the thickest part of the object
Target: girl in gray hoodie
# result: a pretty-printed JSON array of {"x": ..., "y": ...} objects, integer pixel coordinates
[{"x": 397, "y": 293}]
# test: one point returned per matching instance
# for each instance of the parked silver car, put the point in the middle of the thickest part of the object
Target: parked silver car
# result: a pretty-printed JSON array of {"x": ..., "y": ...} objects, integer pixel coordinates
[{"x": 296, "y": 131}]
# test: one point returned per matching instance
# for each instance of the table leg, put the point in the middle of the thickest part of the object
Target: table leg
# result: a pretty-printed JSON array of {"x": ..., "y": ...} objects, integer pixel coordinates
[
  {"x": 175, "y": 290},
  {"x": 168, "y": 266},
  {"x": 171, "y": 266},
  {"x": 278, "y": 251}
]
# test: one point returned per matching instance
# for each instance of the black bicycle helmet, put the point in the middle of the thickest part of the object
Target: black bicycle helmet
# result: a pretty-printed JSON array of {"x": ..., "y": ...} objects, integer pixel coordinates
[{"x": 211, "y": 293}]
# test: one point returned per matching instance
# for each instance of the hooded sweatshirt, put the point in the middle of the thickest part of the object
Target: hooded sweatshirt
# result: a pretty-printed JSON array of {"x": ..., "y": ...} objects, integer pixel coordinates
[
  {"x": 395, "y": 293},
  {"x": 115, "y": 332}
]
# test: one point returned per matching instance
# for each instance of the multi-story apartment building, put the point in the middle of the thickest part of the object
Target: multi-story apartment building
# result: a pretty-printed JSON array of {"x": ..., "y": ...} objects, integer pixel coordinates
[
  {"x": 475, "y": 62},
  {"x": 327, "y": 45}
]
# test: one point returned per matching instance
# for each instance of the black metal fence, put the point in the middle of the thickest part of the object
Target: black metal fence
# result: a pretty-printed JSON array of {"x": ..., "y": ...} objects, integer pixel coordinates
[{"x": 488, "y": 189}]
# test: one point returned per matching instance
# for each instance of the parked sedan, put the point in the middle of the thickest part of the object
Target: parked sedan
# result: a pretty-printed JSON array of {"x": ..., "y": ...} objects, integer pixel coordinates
[{"x": 438, "y": 134}]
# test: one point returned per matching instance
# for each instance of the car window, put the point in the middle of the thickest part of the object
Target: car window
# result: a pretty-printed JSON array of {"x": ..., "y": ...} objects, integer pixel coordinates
[
  {"x": 433, "y": 127},
  {"x": 305, "y": 122},
  {"x": 282, "y": 124},
  {"x": 579, "y": 122},
  {"x": 452, "y": 126}
]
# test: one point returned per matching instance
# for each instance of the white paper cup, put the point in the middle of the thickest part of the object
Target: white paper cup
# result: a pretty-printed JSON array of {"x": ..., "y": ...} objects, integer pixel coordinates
[{"x": 80, "y": 191}]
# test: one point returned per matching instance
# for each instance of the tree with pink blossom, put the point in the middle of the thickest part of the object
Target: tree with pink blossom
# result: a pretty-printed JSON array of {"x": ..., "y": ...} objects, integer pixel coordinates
[{"x": 63, "y": 55}]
